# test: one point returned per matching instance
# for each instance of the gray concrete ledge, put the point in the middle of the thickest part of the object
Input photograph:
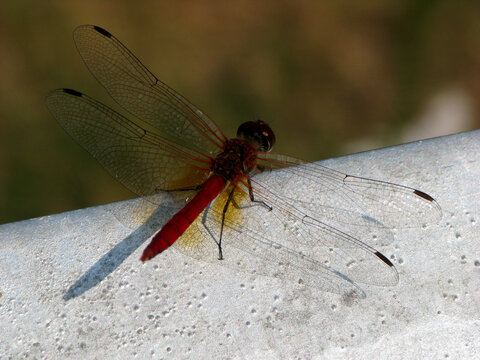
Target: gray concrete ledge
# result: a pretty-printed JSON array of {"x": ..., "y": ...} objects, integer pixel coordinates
[{"x": 72, "y": 286}]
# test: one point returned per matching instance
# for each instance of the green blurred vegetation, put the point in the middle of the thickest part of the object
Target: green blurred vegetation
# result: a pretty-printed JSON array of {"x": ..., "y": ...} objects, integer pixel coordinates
[{"x": 323, "y": 74}]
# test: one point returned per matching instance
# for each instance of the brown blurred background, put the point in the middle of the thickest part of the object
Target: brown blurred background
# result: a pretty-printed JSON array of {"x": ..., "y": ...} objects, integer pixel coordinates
[{"x": 331, "y": 77}]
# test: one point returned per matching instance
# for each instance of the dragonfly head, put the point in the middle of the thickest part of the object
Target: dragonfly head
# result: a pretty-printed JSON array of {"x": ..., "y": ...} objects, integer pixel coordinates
[{"x": 257, "y": 133}]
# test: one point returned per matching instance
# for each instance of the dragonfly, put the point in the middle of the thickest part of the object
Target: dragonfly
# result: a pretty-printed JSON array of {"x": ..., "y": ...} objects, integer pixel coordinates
[{"x": 241, "y": 205}]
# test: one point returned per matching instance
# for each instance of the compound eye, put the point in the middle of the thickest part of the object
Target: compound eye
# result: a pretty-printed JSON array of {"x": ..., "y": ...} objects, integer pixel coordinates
[
  {"x": 246, "y": 130},
  {"x": 267, "y": 136},
  {"x": 257, "y": 132}
]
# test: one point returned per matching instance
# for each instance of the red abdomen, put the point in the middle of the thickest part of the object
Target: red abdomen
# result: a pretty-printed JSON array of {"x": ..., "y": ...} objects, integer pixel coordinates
[{"x": 178, "y": 224}]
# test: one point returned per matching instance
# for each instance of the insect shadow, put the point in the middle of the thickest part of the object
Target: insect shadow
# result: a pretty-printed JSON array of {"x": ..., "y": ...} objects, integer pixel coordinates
[{"x": 120, "y": 252}]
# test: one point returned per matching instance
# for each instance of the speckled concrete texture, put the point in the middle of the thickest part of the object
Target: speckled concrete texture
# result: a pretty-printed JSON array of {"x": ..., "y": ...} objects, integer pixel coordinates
[{"x": 72, "y": 285}]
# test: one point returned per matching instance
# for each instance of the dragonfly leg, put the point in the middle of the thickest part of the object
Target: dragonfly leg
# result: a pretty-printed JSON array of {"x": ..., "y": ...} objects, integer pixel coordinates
[
  {"x": 252, "y": 198},
  {"x": 225, "y": 208},
  {"x": 204, "y": 223}
]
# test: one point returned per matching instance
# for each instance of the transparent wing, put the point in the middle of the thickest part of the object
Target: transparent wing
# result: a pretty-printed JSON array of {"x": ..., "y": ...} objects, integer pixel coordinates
[
  {"x": 359, "y": 205},
  {"x": 283, "y": 243},
  {"x": 143, "y": 161},
  {"x": 139, "y": 92},
  {"x": 319, "y": 238}
]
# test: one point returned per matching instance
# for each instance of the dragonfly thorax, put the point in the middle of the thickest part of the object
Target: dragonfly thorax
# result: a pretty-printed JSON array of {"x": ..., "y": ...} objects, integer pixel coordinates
[{"x": 237, "y": 158}]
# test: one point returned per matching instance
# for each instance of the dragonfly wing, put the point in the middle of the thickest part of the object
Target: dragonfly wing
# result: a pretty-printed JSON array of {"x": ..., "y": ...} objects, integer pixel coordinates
[
  {"x": 144, "y": 162},
  {"x": 310, "y": 237},
  {"x": 345, "y": 201},
  {"x": 138, "y": 91},
  {"x": 276, "y": 243}
]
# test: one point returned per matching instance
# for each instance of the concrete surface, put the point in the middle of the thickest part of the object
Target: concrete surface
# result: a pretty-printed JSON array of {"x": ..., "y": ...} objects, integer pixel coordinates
[{"x": 72, "y": 286}]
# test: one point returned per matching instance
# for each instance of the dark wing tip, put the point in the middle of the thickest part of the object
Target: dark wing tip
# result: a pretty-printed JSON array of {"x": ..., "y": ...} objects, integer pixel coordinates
[
  {"x": 102, "y": 31},
  {"x": 72, "y": 92},
  {"x": 423, "y": 195},
  {"x": 384, "y": 259}
]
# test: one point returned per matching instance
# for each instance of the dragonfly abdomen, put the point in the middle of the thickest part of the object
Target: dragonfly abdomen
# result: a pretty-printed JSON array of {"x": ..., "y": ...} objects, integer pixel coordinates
[{"x": 180, "y": 222}]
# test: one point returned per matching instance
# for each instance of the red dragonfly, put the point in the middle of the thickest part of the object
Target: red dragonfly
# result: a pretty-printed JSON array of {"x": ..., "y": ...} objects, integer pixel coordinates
[{"x": 235, "y": 210}]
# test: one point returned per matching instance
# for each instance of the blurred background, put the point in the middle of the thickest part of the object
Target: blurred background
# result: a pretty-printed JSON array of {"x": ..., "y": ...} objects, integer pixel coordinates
[{"x": 331, "y": 77}]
